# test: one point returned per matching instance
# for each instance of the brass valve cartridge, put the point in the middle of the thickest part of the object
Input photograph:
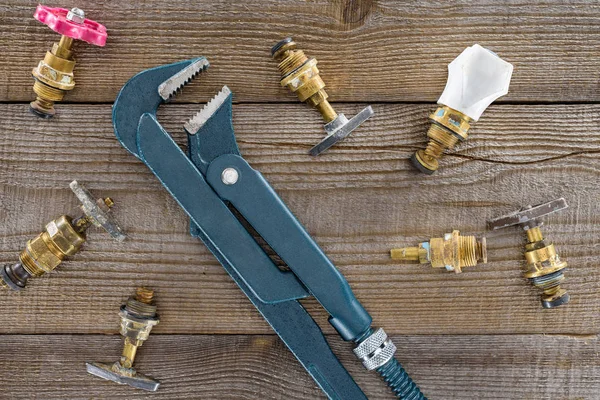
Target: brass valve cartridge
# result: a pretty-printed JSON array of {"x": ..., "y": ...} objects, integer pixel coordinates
[
  {"x": 476, "y": 78},
  {"x": 452, "y": 252},
  {"x": 54, "y": 74},
  {"x": 545, "y": 269},
  {"x": 62, "y": 237},
  {"x": 448, "y": 127},
  {"x": 138, "y": 317},
  {"x": 301, "y": 75}
]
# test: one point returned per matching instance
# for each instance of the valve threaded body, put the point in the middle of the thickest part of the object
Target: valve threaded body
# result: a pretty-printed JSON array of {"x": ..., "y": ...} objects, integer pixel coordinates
[{"x": 447, "y": 128}]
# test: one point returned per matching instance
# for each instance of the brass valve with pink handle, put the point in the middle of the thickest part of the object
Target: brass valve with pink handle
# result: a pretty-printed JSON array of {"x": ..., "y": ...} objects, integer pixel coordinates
[{"x": 54, "y": 74}]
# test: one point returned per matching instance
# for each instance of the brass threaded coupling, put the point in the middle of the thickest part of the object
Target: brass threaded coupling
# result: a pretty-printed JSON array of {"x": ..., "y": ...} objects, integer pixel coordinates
[
  {"x": 452, "y": 252},
  {"x": 138, "y": 317},
  {"x": 448, "y": 127},
  {"x": 53, "y": 78},
  {"x": 61, "y": 238},
  {"x": 300, "y": 74},
  {"x": 545, "y": 270}
]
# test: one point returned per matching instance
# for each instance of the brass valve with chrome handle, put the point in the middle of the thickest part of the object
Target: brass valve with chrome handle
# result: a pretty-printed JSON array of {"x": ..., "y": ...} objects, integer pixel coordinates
[
  {"x": 138, "y": 317},
  {"x": 62, "y": 237},
  {"x": 301, "y": 75},
  {"x": 545, "y": 269}
]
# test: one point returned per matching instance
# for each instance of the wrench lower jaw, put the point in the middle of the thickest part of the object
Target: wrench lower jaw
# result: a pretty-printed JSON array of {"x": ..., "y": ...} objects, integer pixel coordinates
[{"x": 122, "y": 376}]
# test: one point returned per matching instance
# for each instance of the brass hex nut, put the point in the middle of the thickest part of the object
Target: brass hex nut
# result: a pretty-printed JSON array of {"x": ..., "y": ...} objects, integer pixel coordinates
[{"x": 64, "y": 236}]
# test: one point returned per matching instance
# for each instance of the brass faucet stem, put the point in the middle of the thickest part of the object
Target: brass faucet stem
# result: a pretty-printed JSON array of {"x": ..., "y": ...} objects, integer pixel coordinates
[
  {"x": 301, "y": 75},
  {"x": 61, "y": 238},
  {"x": 545, "y": 270},
  {"x": 138, "y": 317},
  {"x": 448, "y": 127},
  {"x": 452, "y": 252},
  {"x": 53, "y": 78}
]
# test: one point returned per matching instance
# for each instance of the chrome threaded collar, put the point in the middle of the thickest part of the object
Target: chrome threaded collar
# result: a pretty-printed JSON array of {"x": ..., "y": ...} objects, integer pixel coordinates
[{"x": 376, "y": 350}]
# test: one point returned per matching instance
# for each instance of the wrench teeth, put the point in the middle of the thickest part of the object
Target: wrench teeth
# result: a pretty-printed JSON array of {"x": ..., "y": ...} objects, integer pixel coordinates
[
  {"x": 174, "y": 84},
  {"x": 195, "y": 123}
]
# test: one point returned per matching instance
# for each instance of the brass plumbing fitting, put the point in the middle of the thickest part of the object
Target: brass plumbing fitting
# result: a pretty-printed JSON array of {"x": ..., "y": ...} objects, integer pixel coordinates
[
  {"x": 476, "y": 78},
  {"x": 138, "y": 317},
  {"x": 545, "y": 269},
  {"x": 453, "y": 252},
  {"x": 447, "y": 128},
  {"x": 54, "y": 74},
  {"x": 62, "y": 237},
  {"x": 301, "y": 75}
]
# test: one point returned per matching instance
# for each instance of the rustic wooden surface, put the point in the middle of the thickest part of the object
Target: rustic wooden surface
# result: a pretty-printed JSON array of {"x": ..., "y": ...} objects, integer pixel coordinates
[{"x": 481, "y": 334}]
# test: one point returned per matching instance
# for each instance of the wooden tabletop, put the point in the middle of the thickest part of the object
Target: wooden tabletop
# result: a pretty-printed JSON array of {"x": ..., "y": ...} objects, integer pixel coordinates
[{"x": 477, "y": 335}]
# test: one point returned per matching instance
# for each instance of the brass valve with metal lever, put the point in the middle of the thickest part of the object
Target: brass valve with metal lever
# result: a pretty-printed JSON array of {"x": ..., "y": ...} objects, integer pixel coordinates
[
  {"x": 453, "y": 252},
  {"x": 545, "y": 269},
  {"x": 301, "y": 75},
  {"x": 61, "y": 238},
  {"x": 138, "y": 317}
]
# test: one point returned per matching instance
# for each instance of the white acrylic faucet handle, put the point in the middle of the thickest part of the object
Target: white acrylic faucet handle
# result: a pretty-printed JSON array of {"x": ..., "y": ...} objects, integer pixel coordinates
[{"x": 476, "y": 78}]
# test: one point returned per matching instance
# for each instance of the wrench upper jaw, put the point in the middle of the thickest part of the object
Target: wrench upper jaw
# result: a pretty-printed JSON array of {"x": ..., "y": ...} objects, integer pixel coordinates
[{"x": 143, "y": 93}]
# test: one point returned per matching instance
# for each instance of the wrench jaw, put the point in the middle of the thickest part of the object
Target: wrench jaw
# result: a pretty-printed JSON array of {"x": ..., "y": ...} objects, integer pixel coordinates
[
  {"x": 210, "y": 131},
  {"x": 145, "y": 92}
]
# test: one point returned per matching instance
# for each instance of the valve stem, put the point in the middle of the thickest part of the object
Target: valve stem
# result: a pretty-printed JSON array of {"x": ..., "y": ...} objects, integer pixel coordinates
[
  {"x": 138, "y": 317},
  {"x": 453, "y": 252},
  {"x": 301, "y": 75}
]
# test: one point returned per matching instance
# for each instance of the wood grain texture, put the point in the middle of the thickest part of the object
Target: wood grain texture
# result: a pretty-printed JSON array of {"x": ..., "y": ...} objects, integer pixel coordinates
[
  {"x": 253, "y": 367},
  {"x": 358, "y": 201},
  {"x": 367, "y": 50}
]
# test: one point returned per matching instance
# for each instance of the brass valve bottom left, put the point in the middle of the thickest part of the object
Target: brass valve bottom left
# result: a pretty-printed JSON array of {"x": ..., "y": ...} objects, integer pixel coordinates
[{"x": 44, "y": 253}]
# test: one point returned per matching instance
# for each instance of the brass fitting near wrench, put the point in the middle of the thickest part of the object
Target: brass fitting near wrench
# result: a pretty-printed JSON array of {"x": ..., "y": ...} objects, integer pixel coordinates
[
  {"x": 301, "y": 75},
  {"x": 54, "y": 74},
  {"x": 138, "y": 316},
  {"x": 453, "y": 252},
  {"x": 62, "y": 237},
  {"x": 545, "y": 269}
]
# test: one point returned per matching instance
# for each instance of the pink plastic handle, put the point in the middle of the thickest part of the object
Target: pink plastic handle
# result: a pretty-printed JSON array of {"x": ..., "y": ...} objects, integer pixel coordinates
[{"x": 56, "y": 18}]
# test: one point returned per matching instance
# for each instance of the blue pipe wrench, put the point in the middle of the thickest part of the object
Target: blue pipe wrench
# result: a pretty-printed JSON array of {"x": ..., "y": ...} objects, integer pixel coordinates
[{"x": 211, "y": 180}]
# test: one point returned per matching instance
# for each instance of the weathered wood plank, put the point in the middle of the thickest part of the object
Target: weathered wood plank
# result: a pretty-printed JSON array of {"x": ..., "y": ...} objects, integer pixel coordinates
[
  {"x": 251, "y": 367},
  {"x": 358, "y": 201},
  {"x": 368, "y": 50}
]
